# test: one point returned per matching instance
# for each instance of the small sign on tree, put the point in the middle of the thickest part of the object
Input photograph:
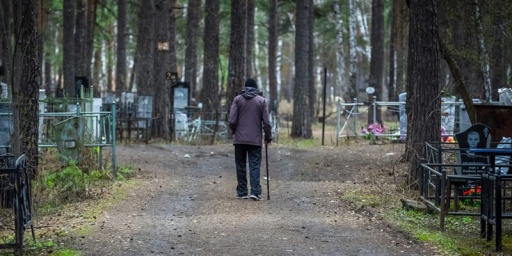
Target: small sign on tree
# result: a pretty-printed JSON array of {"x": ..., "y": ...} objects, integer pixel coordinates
[{"x": 163, "y": 46}]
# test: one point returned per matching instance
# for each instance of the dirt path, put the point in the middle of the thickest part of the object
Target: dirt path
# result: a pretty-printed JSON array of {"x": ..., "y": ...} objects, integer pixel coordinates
[{"x": 186, "y": 206}]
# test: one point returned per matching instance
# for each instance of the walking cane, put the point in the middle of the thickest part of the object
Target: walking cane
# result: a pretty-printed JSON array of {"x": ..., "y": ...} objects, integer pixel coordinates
[{"x": 268, "y": 178}]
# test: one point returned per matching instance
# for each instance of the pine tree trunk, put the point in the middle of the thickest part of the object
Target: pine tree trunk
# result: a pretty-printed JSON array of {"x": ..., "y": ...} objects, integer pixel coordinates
[
  {"x": 249, "y": 42},
  {"x": 236, "y": 70},
  {"x": 377, "y": 60},
  {"x": 301, "y": 123},
  {"x": 272, "y": 55},
  {"x": 68, "y": 43},
  {"x": 209, "y": 95},
  {"x": 423, "y": 93},
  {"x": 193, "y": 17},
  {"x": 121, "y": 47},
  {"x": 25, "y": 88}
]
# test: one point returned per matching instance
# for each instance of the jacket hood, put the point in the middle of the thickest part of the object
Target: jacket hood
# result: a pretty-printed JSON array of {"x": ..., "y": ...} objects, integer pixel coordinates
[{"x": 250, "y": 92}]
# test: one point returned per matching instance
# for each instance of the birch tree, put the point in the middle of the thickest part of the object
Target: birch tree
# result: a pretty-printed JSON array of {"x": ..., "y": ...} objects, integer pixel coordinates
[
  {"x": 352, "y": 23},
  {"x": 484, "y": 56},
  {"x": 340, "y": 56}
]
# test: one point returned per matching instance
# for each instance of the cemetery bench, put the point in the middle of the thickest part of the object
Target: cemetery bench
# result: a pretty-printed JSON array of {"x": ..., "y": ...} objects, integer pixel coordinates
[
  {"x": 494, "y": 184},
  {"x": 16, "y": 184}
]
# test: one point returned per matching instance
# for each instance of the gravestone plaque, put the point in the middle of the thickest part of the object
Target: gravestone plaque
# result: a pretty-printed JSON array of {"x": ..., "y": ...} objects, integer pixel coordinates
[
  {"x": 180, "y": 93},
  {"x": 402, "y": 98},
  {"x": 144, "y": 109},
  {"x": 476, "y": 136}
]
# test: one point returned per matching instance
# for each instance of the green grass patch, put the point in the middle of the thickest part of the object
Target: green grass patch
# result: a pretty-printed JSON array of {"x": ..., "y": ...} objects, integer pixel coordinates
[{"x": 460, "y": 237}]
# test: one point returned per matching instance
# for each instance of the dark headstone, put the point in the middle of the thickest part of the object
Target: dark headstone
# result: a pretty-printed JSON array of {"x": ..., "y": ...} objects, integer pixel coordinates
[{"x": 476, "y": 136}]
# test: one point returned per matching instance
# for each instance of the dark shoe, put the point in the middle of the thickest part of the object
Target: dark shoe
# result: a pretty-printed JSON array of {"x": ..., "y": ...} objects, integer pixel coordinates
[
  {"x": 242, "y": 197},
  {"x": 255, "y": 197}
]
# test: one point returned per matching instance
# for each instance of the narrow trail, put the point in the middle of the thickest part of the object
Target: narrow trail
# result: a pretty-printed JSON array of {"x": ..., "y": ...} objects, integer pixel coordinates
[{"x": 186, "y": 206}]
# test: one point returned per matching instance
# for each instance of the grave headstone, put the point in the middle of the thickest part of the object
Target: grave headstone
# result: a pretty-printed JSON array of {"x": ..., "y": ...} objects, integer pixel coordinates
[
  {"x": 505, "y": 96},
  {"x": 6, "y": 126},
  {"x": 402, "y": 98},
  {"x": 448, "y": 114},
  {"x": 144, "y": 109},
  {"x": 476, "y": 136},
  {"x": 180, "y": 96}
]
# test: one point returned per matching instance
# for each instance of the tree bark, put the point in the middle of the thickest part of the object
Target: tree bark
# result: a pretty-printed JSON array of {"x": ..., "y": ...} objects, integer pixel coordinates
[
  {"x": 352, "y": 23},
  {"x": 210, "y": 90},
  {"x": 423, "y": 93},
  {"x": 272, "y": 56},
  {"x": 25, "y": 86},
  {"x": 121, "y": 47},
  {"x": 249, "y": 42},
  {"x": 146, "y": 46},
  {"x": 484, "y": 56},
  {"x": 236, "y": 70},
  {"x": 377, "y": 60},
  {"x": 311, "y": 85},
  {"x": 193, "y": 17},
  {"x": 162, "y": 64},
  {"x": 301, "y": 123},
  {"x": 498, "y": 78},
  {"x": 340, "y": 55},
  {"x": 68, "y": 43}
]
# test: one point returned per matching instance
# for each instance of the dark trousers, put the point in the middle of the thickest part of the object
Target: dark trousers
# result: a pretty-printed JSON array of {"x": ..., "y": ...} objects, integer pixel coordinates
[{"x": 253, "y": 154}]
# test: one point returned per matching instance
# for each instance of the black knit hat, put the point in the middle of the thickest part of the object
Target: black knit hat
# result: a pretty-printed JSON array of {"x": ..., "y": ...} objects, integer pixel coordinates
[{"x": 251, "y": 83}]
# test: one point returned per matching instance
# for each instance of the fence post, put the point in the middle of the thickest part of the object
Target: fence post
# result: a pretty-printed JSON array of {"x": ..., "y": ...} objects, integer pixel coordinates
[
  {"x": 114, "y": 168},
  {"x": 373, "y": 104},
  {"x": 337, "y": 121},
  {"x": 355, "y": 117}
]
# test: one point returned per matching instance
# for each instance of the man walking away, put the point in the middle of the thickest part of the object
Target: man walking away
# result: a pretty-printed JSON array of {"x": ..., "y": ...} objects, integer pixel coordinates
[{"x": 248, "y": 119}]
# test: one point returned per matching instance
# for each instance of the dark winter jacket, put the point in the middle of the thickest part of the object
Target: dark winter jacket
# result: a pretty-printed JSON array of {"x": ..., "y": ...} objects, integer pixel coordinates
[{"x": 248, "y": 117}]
